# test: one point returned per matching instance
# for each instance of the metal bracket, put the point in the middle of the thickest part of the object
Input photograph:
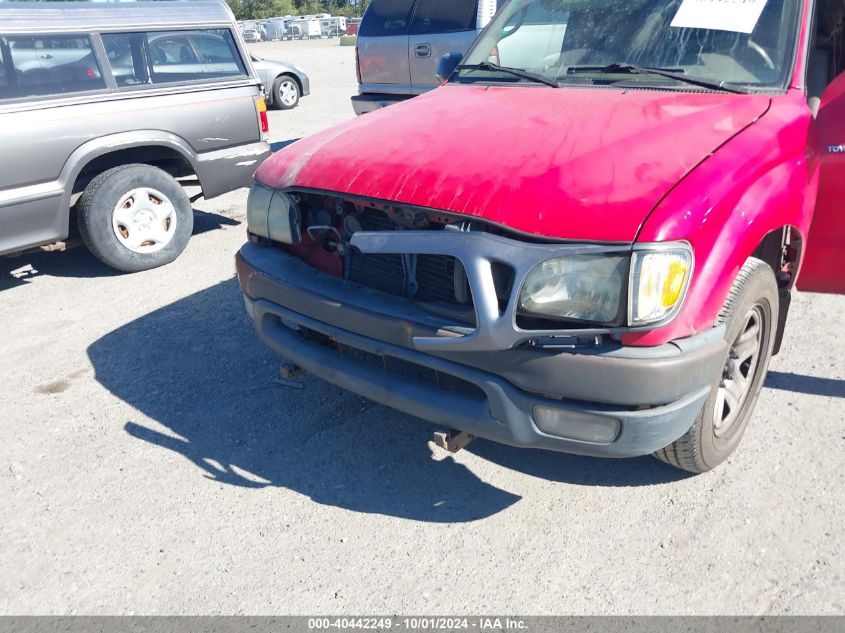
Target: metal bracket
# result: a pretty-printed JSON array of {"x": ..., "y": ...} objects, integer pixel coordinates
[
  {"x": 452, "y": 443},
  {"x": 289, "y": 371}
]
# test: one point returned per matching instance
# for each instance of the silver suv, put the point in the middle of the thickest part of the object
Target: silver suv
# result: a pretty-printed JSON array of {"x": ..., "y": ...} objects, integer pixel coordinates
[
  {"x": 400, "y": 43},
  {"x": 110, "y": 104}
]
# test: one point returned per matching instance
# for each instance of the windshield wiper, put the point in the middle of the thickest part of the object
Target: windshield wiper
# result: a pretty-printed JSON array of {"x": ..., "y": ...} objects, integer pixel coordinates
[
  {"x": 516, "y": 72},
  {"x": 671, "y": 73}
]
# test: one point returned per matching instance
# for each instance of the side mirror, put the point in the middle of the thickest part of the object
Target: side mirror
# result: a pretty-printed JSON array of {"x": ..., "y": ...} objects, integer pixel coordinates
[{"x": 447, "y": 64}]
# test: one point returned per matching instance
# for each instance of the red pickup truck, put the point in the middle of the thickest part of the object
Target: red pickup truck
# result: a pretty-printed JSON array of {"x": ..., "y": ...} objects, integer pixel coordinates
[{"x": 585, "y": 240}]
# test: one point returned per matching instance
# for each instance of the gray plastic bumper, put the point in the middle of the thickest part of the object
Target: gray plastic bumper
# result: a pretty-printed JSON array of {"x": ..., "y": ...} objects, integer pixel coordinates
[{"x": 654, "y": 393}]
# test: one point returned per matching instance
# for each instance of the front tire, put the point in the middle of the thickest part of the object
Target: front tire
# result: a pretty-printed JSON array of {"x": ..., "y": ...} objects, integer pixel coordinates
[
  {"x": 135, "y": 217},
  {"x": 750, "y": 314},
  {"x": 286, "y": 92}
]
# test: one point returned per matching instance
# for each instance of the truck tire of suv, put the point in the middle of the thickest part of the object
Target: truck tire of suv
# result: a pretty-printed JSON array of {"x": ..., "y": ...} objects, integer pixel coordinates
[
  {"x": 135, "y": 217},
  {"x": 286, "y": 92},
  {"x": 750, "y": 314}
]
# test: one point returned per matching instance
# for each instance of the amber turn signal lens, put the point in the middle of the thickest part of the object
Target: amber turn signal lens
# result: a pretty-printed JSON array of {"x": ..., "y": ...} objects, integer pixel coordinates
[{"x": 658, "y": 281}]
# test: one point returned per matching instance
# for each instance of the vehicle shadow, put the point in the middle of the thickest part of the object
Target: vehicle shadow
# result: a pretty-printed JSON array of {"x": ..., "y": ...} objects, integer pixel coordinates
[
  {"x": 577, "y": 470},
  {"x": 196, "y": 368},
  {"x": 77, "y": 262},
  {"x": 810, "y": 385},
  {"x": 280, "y": 145}
]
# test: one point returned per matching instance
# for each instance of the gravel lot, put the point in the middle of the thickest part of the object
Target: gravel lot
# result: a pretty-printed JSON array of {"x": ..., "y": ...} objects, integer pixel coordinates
[{"x": 150, "y": 464}]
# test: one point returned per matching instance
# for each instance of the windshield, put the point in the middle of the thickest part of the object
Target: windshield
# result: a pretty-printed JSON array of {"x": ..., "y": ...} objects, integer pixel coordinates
[{"x": 748, "y": 43}]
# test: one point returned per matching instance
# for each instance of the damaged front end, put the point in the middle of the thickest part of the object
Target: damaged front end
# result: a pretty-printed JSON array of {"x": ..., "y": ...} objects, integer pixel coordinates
[
  {"x": 508, "y": 290},
  {"x": 472, "y": 325}
]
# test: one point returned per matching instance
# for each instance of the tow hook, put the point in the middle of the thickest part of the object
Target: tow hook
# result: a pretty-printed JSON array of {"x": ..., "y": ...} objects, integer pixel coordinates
[
  {"x": 289, "y": 371},
  {"x": 452, "y": 442},
  {"x": 289, "y": 375}
]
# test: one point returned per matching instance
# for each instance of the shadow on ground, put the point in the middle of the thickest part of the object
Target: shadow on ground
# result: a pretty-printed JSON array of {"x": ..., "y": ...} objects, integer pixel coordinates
[
  {"x": 810, "y": 385},
  {"x": 77, "y": 262},
  {"x": 196, "y": 368},
  {"x": 280, "y": 145}
]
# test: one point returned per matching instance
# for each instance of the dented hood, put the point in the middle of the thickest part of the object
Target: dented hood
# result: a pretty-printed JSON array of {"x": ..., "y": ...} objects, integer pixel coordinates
[{"x": 570, "y": 163}]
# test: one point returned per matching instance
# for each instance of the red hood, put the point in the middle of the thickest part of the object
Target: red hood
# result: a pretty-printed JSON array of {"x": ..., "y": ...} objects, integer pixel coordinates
[{"x": 571, "y": 163}]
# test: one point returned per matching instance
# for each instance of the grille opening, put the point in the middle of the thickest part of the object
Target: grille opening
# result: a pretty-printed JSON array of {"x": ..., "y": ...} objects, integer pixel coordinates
[
  {"x": 439, "y": 283},
  {"x": 434, "y": 279},
  {"x": 379, "y": 272},
  {"x": 503, "y": 278},
  {"x": 441, "y": 278},
  {"x": 397, "y": 367}
]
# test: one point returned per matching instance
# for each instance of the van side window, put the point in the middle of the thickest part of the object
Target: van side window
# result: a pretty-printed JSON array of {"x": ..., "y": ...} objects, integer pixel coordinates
[
  {"x": 387, "y": 17},
  {"x": 444, "y": 16},
  {"x": 4, "y": 72},
  {"x": 48, "y": 66},
  {"x": 127, "y": 58},
  {"x": 173, "y": 56}
]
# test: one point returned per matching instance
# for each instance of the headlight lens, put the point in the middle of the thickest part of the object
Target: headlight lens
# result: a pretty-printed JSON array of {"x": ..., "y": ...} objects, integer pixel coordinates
[
  {"x": 257, "y": 208},
  {"x": 283, "y": 219},
  {"x": 273, "y": 214},
  {"x": 658, "y": 282},
  {"x": 577, "y": 287}
]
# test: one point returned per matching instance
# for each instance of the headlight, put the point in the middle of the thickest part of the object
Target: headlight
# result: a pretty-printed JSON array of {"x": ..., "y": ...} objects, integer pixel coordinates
[
  {"x": 659, "y": 280},
  {"x": 257, "y": 208},
  {"x": 576, "y": 288},
  {"x": 273, "y": 214}
]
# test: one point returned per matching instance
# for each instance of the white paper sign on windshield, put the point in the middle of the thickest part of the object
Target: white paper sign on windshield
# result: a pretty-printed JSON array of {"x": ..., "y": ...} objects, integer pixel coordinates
[
  {"x": 738, "y": 16},
  {"x": 486, "y": 11}
]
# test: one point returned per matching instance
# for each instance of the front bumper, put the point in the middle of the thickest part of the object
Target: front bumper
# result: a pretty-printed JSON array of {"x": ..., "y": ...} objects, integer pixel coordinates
[{"x": 363, "y": 341}]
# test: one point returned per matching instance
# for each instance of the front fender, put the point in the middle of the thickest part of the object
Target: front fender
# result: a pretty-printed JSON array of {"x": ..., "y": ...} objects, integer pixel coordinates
[{"x": 765, "y": 178}]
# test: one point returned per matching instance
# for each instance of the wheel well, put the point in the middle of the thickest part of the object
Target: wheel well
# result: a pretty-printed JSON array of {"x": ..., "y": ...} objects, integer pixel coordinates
[
  {"x": 165, "y": 158},
  {"x": 781, "y": 249},
  {"x": 292, "y": 76}
]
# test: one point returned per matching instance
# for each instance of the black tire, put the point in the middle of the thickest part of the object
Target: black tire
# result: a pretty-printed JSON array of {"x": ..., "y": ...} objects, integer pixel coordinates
[
  {"x": 752, "y": 303},
  {"x": 97, "y": 207},
  {"x": 292, "y": 84}
]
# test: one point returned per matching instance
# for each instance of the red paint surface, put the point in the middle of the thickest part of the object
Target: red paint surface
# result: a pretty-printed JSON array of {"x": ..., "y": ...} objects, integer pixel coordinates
[
  {"x": 576, "y": 164},
  {"x": 761, "y": 181},
  {"x": 823, "y": 268}
]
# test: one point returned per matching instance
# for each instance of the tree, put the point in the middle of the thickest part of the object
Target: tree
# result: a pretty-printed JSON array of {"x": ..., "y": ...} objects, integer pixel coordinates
[
  {"x": 262, "y": 9},
  {"x": 237, "y": 8}
]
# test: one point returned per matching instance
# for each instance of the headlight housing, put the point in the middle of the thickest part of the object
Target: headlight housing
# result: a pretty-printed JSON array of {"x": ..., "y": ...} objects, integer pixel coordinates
[
  {"x": 576, "y": 288},
  {"x": 273, "y": 215},
  {"x": 592, "y": 288},
  {"x": 659, "y": 280}
]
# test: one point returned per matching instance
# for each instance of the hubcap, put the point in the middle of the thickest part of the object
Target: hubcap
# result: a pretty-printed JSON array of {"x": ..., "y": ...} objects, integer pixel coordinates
[
  {"x": 144, "y": 220},
  {"x": 287, "y": 93},
  {"x": 739, "y": 373}
]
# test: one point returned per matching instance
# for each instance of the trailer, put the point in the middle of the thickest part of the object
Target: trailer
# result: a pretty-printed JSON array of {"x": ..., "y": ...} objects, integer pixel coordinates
[
  {"x": 333, "y": 26},
  {"x": 305, "y": 29},
  {"x": 275, "y": 30}
]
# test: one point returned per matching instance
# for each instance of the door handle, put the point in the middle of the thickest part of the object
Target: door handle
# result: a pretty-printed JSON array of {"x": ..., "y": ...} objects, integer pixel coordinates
[
  {"x": 46, "y": 56},
  {"x": 422, "y": 50}
]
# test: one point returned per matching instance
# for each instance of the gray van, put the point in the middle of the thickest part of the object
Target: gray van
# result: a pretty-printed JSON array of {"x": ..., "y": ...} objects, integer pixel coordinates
[
  {"x": 110, "y": 104},
  {"x": 400, "y": 43}
]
